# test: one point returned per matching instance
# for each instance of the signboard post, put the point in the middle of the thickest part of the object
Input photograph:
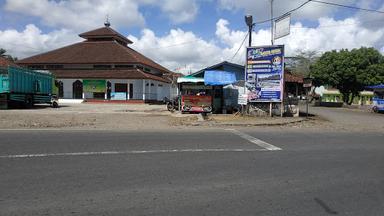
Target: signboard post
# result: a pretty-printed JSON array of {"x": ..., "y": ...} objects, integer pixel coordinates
[
  {"x": 265, "y": 74},
  {"x": 242, "y": 99}
]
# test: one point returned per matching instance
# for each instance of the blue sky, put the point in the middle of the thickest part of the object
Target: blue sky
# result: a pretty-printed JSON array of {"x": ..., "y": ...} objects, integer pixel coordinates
[{"x": 186, "y": 33}]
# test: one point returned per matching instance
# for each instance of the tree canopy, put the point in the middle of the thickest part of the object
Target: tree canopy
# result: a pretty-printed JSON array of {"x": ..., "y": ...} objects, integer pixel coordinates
[
  {"x": 349, "y": 71},
  {"x": 3, "y": 53},
  {"x": 302, "y": 62}
]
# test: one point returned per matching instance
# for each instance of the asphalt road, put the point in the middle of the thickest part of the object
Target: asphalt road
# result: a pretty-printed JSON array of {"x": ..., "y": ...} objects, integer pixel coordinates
[
  {"x": 349, "y": 119},
  {"x": 191, "y": 172}
]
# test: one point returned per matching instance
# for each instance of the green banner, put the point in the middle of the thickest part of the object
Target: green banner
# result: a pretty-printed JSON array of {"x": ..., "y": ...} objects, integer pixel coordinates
[{"x": 94, "y": 86}]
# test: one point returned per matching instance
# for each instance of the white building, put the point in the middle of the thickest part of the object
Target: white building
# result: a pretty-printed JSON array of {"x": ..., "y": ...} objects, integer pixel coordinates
[{"x": 104, "y": 67}]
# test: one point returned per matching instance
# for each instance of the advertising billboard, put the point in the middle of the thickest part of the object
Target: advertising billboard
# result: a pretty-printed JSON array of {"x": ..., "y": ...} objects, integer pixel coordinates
[
  {"x": 94, "y": 85},
  {"x": 265, "y": 73}
]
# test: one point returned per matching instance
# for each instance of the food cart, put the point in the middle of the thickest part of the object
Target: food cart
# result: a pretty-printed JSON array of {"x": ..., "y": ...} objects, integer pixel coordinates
[
  {"x": 202, "y": 94},
  {"x": 195, "y": 96}
]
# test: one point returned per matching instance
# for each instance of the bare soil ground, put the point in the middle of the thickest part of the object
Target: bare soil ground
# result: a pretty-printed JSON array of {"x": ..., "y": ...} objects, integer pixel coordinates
[
  {"x": 121, "y": 116},
  {"x": 87, "y": 116},
  {"x": 156, "y": 117}
]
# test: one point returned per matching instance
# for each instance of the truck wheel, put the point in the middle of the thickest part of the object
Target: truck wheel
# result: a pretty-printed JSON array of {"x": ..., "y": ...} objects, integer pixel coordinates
[{"x": 28, "y": 101}]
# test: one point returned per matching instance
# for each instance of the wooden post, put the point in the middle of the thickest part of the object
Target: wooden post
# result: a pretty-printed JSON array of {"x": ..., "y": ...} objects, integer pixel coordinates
[{"x": 270, "y": 109}]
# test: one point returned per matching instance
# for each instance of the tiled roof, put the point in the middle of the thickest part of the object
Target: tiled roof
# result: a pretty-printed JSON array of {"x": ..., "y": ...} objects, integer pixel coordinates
[
  {"x": 105, "y": 32},
  {"x": 4, "y": 62},
  {"x": 289, "y": 77},
  {"x": 106, "y": 74},
  {"x": 93, "y": 52}
]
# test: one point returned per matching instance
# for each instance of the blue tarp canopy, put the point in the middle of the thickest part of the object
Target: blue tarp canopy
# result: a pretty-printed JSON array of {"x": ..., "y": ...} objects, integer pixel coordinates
[
  {"x": 381, "y": 86},
  {"x": 217, "y": 77}
]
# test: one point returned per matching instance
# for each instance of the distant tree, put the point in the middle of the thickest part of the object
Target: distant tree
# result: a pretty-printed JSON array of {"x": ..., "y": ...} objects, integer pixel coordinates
[
  {"x": 303, "y": 61},
  {"x": 349, "y": 71},
  {"x": 3, "y": 53}
]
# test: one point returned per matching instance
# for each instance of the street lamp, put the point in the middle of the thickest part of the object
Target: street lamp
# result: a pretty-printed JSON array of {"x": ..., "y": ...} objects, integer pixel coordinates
[{"x": 249, "y": 22}]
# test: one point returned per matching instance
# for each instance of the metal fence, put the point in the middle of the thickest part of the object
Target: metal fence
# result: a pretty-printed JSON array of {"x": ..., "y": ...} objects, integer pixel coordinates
[{"x": 3, "y": 70}]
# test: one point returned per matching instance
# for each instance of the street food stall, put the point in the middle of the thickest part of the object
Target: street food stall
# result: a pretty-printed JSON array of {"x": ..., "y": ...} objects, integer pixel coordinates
[
  {"x": 195, "y": 97},
  {"x": 204, "y": 94}
]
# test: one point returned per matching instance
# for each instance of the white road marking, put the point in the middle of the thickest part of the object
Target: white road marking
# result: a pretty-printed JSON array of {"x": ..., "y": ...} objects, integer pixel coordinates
[
  {"x": 127, "y": 152},
  {"x": 254, "y": 140}
]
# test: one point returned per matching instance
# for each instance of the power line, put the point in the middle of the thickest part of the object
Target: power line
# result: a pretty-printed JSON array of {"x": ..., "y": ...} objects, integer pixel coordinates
[
  {"x": 347, "y": 6},
  {"x": 338, "y": 25},
  {"x": 241, "y": 45},
  {"x": 268, "y": 20},
  {"x": 288, "y": 12},
  {"x": 321, "y": 2}
]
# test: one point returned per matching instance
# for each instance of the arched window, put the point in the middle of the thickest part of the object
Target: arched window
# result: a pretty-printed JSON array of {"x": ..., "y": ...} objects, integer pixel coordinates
[{"x": 77, "y": 89}]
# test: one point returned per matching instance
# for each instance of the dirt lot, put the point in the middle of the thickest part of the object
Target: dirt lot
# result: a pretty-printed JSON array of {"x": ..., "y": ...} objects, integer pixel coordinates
[
  {"x": 87, "y": 116},
  {"x": 122, "y": 116},
  {"x": 156, "y": 117}
]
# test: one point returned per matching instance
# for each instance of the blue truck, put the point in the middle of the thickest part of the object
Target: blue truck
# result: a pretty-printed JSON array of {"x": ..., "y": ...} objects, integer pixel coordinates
[{"x": 21, "y": 86}]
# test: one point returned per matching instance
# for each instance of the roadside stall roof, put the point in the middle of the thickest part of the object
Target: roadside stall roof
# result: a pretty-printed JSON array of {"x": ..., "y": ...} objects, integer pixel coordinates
[{"x": 189, "y": 79}]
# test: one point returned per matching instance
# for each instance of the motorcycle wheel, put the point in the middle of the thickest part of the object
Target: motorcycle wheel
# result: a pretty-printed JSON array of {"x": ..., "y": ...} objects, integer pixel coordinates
[{"x": 170, "y": 107}]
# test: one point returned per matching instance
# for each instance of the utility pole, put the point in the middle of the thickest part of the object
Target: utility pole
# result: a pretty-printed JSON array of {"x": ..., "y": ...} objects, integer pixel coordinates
[
  {"x": 272, "y": 21},
  {"x": 249, "y": 22}
]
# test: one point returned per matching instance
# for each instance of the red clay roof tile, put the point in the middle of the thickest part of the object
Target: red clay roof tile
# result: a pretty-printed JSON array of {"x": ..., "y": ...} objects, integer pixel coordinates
[
  {"x": 105, "y": 32},
  {"x": 93, "y": 52},
  {"x": 4, "y": 62}
]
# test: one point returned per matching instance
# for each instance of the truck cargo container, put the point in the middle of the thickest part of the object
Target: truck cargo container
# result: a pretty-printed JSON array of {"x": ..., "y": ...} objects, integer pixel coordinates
[{"x": 26, "y": 87}]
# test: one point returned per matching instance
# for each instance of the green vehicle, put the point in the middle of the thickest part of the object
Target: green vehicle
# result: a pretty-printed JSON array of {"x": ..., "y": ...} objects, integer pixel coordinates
[{"x": 21, "y": 86}]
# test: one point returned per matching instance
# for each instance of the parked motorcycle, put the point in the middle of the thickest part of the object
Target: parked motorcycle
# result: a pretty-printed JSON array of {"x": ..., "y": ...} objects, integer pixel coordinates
[{"x": 172, "y": 105}]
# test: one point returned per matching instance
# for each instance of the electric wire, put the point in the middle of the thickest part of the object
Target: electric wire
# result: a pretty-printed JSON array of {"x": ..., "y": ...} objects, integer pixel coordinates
[
  {"x": 338, "y": 25},
  {"x": 286, "y": 13},
  {"x": 348, "y": 6},
  {"x": 268, "y": 20},
  {"x": 241, "y": 45}
]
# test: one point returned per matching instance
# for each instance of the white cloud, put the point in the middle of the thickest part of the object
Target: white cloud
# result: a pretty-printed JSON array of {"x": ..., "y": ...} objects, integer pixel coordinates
[
  {"x": 261, "y": 8},
  {"x": 88, "y": 14},
  {"x": 329, "y": 35},
  {"x": 32, "y": 41},
  {"x": 185, "y": 49},
  {"x": 180, "y": 11},
  {"x": 178, "y": 49},
  {"x": 79, "y": 15}
]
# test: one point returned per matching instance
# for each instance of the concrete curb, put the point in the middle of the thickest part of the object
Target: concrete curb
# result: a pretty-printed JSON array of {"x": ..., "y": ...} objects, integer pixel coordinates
[{"x": 268, "y": 124}]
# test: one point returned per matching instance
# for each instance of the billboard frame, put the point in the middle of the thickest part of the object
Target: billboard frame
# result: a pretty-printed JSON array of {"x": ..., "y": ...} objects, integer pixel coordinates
[{"x": 282, "y": 74}]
